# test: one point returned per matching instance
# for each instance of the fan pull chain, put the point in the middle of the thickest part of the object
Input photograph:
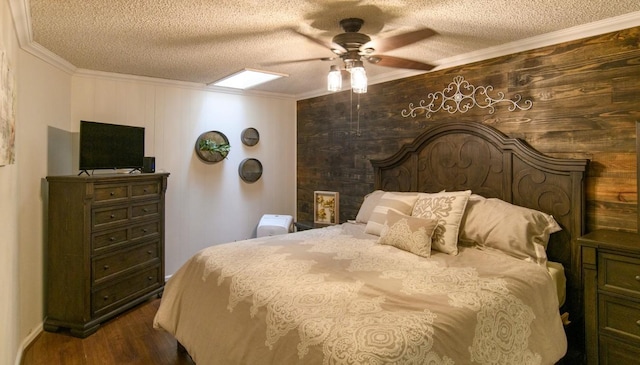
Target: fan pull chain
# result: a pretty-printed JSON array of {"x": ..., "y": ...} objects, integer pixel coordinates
[
  {"x": 357, "y": 116},
  {"x": 358, "y": 121}
]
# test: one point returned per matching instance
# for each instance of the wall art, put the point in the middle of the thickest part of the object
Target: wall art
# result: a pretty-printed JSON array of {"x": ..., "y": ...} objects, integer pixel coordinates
[
  {"x": 460, "y": 96},
  {"x": 7, "y": 111},
  {"x": 325, "y": 207}
]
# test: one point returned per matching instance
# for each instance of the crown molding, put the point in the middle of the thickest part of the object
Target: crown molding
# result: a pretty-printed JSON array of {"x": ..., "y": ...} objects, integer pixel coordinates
[
  {"x": 621, "y": 22},
  {"x": 113, "y": 76},
  {"x": 22, "y": 20},
  {"x": 625, "y": 21}
]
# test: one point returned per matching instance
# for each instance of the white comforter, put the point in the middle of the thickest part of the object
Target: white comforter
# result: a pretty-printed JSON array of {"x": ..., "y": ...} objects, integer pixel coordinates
[{"x": 334, "y": 296}]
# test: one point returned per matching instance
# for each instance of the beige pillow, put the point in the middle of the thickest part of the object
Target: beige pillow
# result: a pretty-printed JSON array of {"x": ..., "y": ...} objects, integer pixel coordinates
[
  {"x": 408, "y": 233},
  {"x": 447, "y": 208},
  {"x": 517, "y": 231},
  {"x": 398, "y": 202},
  {"x": 371, "y": 200}
]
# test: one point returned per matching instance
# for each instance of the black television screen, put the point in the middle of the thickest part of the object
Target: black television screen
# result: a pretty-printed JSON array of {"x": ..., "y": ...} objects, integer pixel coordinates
[{"x": 110, "y": 146}]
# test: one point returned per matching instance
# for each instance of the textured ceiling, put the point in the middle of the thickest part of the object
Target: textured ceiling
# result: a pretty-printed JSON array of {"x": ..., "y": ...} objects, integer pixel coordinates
[{"x": 204, "y": 40}]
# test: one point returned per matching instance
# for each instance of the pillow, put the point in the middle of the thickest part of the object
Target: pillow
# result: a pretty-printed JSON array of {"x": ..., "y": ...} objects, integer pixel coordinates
[
  {"x": 398, "y": 202},
  {"x": 447, "y": 208},
  {"x": 518, "y": 231},
  {"x": 370, "y": 201},
  {"x": 408, "y": 233}
]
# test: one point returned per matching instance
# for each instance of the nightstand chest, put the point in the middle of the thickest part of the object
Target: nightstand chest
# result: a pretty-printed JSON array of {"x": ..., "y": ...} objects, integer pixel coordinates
[
  {"x": 105, "y": 250},
  {"x": 303, "y": 226},
  {"x": 611, "y": 282}
]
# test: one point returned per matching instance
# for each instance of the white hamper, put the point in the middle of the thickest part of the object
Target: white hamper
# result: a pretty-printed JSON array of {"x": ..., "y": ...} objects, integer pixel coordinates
[{"x": 273, "y": 224}]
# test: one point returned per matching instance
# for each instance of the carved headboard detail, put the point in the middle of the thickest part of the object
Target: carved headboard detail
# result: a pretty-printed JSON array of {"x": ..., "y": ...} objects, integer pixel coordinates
[{"x": 461, "y": 156}]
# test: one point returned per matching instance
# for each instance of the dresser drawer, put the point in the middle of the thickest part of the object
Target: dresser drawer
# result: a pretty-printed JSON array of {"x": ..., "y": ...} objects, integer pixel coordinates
[
  {"x": 619, "y": 274},
  {"x": 109, "y": 216},
  {"x": 145, "y": 230},
  {"x": 104, "y": 193},
  {"x": 145, "y": 189},
  {"x": 619, "y": 317},
  {"x": 107, "y": 239},
  {"x": 145, "y": 210},
  {"x": 107, "y": 266},
  {"x": 129, "y": 288},
  {"x": 616, "y": 352}
]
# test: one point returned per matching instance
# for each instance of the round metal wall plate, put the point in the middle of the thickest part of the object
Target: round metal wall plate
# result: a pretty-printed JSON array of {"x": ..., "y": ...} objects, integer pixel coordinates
[
  {"x": 250, "y": 137},
  {"x": 250, "y": 170}
]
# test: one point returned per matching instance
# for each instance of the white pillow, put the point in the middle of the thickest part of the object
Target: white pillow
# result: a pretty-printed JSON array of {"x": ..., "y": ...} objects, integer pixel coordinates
[
  {"x": 447, "y": 208},
  {"x": 398, "y": 202},
  {"x": 518, "y": 231},
  {"x": 370, "y": 201},
  {"x": 408, "y": 233}
]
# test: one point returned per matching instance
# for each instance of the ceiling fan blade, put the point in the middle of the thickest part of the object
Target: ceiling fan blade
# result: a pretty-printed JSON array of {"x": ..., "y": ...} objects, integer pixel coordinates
[
  {"x": 390, "y": 61},
  {"x": 397, "y": 41},
  {"x": 275, "y": 63},
  {"x": 334, "y": 47}
]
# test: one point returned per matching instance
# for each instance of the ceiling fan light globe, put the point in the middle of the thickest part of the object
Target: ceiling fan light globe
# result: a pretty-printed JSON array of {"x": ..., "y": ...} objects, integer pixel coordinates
[
  {"x": 334, "y": 79},
  {"x": 358, "y": 79}
]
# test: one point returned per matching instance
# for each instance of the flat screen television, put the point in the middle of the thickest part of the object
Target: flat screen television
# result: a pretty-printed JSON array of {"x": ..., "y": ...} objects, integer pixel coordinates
[{"x": 110, "y": 146}]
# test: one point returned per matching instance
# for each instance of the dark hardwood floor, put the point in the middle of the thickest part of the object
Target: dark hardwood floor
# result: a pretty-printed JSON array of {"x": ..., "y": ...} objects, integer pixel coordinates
[{"x": 126, "y": 339}]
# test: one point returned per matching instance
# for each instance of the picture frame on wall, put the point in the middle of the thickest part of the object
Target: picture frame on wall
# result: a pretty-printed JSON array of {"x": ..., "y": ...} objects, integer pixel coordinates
[{"x": 326, "y": 207}]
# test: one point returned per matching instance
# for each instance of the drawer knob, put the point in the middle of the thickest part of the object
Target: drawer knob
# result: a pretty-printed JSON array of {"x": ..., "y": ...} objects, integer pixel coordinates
[
  {"x": 112, "y": 215},
  {"x": 145, "y": 210},
  {"x": 638, "y": 277},
  {"x": 145, "y": 190},
  {"x": 144, "y": 230},
  {"x": 106, "y": 267},
  {"x": 112, "y": 193},
  {"x": 112, "y": 239},
  {"x": 638, "y": 322},
  {"x": 150, "y": 278},
  {"x": 149, "y": 252},
  {"x": 106, "y": 297}
]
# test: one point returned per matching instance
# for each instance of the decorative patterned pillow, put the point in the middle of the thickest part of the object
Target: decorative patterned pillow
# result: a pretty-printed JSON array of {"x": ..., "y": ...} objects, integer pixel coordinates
[
  {"x": 518, "y": 231},
  {"x": 395, "y": 201},
  {"x": 371, "y": 200},
  {"x": 408, "y": 233},
  {"x": 447, "y": 208}
]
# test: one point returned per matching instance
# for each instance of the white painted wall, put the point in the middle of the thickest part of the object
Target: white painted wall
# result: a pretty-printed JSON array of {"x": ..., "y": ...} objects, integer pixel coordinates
[
  {"x": 43, "y": 102},
  {"x": 9, "y": 303},
  {"x": 206, "y": 203}
]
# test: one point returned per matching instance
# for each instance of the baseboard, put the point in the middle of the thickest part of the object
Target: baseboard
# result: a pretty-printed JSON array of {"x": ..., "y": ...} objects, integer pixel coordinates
[{"x": 27, "y": 341}]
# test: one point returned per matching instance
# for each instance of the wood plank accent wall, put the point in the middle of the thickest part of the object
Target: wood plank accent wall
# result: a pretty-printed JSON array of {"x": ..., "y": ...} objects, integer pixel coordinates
[{"x": 586, "y": 103}]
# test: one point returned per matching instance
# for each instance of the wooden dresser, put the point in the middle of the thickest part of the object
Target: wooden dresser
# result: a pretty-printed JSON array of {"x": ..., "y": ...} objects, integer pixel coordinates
[
  {"x": 611, "y": 278},
  {"x": 105, "y": 249}
]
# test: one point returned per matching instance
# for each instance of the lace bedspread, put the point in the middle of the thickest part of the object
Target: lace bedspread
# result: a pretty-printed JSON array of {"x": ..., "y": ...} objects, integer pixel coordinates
[{"x": 334, "y": 296}]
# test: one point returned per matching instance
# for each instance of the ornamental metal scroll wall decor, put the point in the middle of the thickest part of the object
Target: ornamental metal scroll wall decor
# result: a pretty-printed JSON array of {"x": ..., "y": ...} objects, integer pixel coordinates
[{"x": 460, "y": 96}]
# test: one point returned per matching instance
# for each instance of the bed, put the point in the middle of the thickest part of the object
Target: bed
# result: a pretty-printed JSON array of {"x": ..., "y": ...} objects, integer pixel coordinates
[{"x": 464, "y": 253}]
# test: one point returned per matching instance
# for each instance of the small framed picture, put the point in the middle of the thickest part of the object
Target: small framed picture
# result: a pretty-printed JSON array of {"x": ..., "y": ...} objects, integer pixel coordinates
[{"x": 325, "y": 207}]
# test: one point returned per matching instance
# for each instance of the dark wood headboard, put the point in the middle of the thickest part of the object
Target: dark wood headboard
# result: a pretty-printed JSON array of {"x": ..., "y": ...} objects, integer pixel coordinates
[{"x": 461, "y": 156}]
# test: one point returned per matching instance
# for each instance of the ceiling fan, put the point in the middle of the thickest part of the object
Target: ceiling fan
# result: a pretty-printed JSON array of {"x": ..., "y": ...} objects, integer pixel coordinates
[{"x": 354, "y": 47}]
